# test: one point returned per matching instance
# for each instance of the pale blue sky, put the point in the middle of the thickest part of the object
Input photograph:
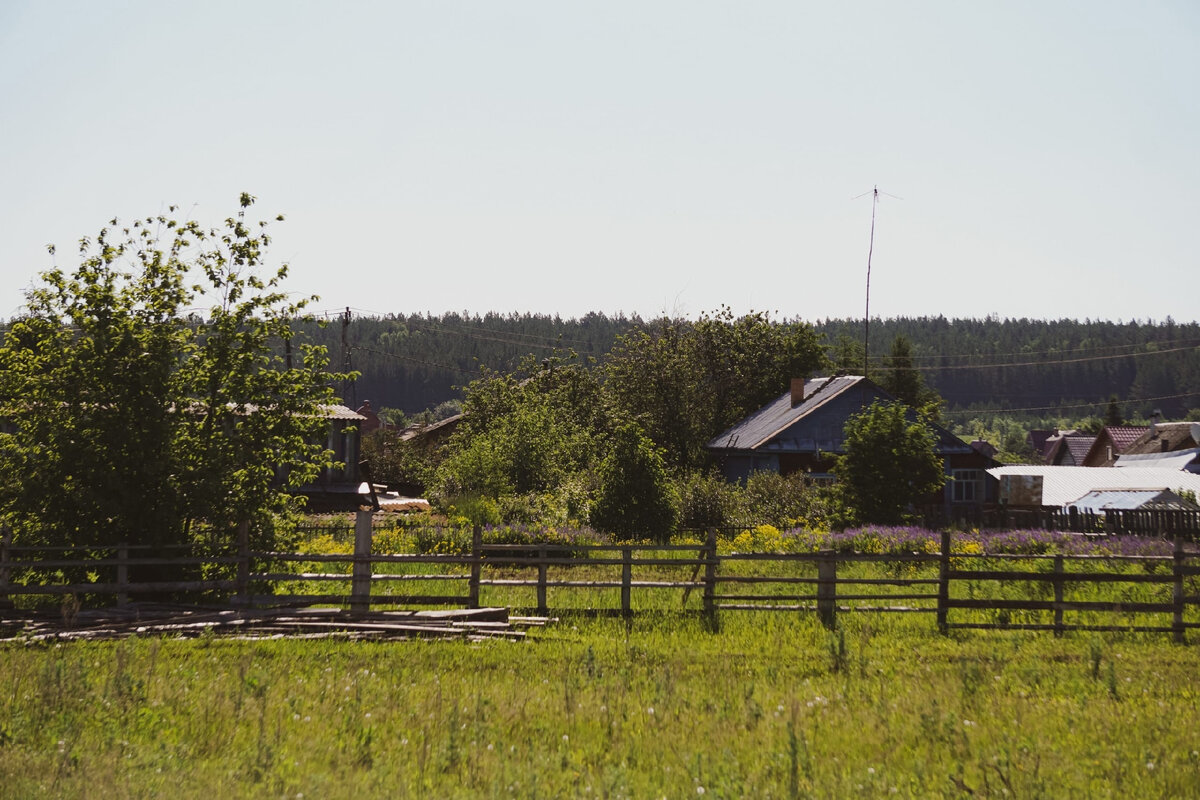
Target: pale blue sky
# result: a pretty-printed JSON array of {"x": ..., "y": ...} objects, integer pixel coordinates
[{"x": 644, "y": 157}]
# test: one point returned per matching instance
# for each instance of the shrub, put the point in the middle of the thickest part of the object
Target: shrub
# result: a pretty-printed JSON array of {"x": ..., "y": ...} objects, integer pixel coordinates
[
  {"x": 636, "y": 499},
  {"x": 706, "y": 500},
  {"x": 783, "y": 501}
]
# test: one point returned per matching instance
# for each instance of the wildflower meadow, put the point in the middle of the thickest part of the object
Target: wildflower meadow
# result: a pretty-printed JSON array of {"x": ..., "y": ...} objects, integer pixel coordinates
[{"x": 660, "y": 705}]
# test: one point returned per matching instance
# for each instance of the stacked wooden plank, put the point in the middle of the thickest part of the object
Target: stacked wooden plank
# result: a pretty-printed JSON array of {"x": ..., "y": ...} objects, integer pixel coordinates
[{"x": 308, "y": 623}]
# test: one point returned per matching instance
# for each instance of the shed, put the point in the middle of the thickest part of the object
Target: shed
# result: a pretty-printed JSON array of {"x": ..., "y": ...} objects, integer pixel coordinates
[
  {"x": 1102, "y": 500},
  {"x": 1040, "y": 486}
]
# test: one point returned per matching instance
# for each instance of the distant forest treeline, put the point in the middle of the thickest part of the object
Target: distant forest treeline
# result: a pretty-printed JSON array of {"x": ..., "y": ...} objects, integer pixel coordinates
[{"x": 1037, "y": 367}]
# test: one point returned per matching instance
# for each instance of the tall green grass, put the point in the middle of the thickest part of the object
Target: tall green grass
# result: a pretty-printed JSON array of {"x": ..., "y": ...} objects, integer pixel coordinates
[{"x": 772, "y": 705}]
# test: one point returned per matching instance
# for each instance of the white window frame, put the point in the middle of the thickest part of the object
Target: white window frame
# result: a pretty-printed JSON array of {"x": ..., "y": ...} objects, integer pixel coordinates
[{"x": 966, "y": 486}]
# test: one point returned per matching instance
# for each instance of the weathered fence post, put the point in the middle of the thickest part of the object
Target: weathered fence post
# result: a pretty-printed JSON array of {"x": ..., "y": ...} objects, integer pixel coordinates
[
  {"x": 943, "y": 597},
  {"x": 5, "y": 569},
  {"x": 360, "y": 585},
  {"x": 827, "y": 589},
  {"x": 541, "y": 587},
  {"x": 626, "y": 580},
  {"x": 122, "y": 574},
  {"x": 710, "y": 579},
  {"x": 1177, "y": 620},
  {"x": 242, "y": 595},
  {"x": 476, "y": 566},
  {"x": 1058, "y": 596}
]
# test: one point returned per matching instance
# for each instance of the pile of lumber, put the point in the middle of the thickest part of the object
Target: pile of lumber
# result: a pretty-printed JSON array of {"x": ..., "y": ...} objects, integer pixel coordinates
[{"x": 296, "y": 623}]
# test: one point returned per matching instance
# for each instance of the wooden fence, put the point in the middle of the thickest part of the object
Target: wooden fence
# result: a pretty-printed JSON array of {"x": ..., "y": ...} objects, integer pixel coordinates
[
  {"x": 1160, "y": 591},
  {"x": 1111, "y": 521}
]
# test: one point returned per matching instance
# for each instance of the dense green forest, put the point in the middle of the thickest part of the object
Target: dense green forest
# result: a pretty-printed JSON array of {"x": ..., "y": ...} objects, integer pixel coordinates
[
  {"x": 1039, "y": 366},
  {"x": 415, "y": 362},
  {"x": 1033, "y": 368}
]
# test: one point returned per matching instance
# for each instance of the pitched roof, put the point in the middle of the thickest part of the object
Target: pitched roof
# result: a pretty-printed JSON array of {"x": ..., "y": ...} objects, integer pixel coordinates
[
  {"x": 340, "y": 412},
  {"x": 442, "y": 426},
  {"x": 778, "y": 415},
  {"x": 761, "y": 428},
  {"x": 1072, "y": 443},
  {"x": 1164, "y": 438},
  {"x": 1111, "y": 443},
  {"x": 1078, "y": 446},
  {"x": 1122, "y": 436}
]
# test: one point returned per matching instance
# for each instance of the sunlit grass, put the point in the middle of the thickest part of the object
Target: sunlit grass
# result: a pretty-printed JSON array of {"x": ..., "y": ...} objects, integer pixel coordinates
[{"x": 772, "y": 705}]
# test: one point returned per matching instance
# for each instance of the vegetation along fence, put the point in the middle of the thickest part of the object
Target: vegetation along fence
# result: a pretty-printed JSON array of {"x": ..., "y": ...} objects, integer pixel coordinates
[{"x": 960, "y": 588}]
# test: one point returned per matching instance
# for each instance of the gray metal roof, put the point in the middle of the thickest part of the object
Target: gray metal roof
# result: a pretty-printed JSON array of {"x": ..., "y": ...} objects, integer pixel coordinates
[
  {"x": 1130, "y": 499},
  {"x": 1063, "y": 485},
  {"x": 758, "y": 430},
  {"x": 775, "y": 417},
  {"x": 1177, "y": 459}
]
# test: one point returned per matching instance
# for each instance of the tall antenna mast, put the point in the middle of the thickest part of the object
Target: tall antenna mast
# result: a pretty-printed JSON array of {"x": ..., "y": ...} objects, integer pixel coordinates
[
  {"x": 867, "y": 310},
  {"x": 870, "y": 251}
]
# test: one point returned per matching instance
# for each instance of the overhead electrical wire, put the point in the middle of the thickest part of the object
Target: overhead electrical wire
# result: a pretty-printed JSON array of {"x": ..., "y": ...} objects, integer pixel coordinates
[
  {"x": 1097, "y": 404},
  {"x": 1048, "y": 363},
  {"x": 1056, "y": 351},
  {"x": 397, "y": 356}
]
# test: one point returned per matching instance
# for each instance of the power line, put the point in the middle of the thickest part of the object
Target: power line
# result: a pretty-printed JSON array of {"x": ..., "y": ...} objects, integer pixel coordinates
[
  {"x": 1056, "y": 351},
  {"x": 399, "y": 357},
  {"x": 1058, "y": 407},
  {"x": 1049, "y": 363}
]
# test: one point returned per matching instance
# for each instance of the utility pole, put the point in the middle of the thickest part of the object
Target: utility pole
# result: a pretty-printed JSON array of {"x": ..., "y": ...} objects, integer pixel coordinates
[{"x": 347, "y": 362}]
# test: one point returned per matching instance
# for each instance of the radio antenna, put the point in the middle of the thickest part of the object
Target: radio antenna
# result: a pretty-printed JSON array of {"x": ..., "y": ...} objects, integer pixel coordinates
[{"x": 870, "y": 251}]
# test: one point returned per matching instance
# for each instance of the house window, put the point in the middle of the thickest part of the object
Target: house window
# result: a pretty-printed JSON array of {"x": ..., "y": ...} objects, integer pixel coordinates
[{"x": 967, "y": 485}]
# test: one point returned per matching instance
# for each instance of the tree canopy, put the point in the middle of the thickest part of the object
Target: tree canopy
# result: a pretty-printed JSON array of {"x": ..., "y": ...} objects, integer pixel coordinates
[
  {"x": 686, "y": 382},
  {"x": 148, "y": 389},
  {"x": 889, "y": 463}
]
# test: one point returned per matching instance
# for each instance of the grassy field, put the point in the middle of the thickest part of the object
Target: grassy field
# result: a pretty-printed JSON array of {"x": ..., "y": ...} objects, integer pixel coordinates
[{"x": 773, "y": 705}]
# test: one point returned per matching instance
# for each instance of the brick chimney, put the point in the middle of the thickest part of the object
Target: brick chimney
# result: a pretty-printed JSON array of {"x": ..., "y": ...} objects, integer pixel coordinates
[{"x": 797, "y": 391}]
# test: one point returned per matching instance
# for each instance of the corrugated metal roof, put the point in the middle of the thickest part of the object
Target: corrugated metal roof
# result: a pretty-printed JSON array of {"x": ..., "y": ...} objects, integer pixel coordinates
[
  {"x": 776, "y": 416},
  {"x": 1178, "y": 459},
  {"x": 340, "y": 412},
  {"x": 1063, "y": 485},
  {"x": 1130, "y": 499}
]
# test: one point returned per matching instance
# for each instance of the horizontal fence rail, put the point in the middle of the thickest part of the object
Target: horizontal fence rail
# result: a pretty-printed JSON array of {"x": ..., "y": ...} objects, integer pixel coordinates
[{"x": 963, "y": 590}]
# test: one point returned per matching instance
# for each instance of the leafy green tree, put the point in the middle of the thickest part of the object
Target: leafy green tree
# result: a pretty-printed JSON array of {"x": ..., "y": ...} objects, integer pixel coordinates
[
  {"x": 523, "y": 433},
  {"x": 133, "y": 416},
  {"x": 635, "y": 498},
  {"x": 685, "y": 382},
  {"x": 889, "y": 463}
]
